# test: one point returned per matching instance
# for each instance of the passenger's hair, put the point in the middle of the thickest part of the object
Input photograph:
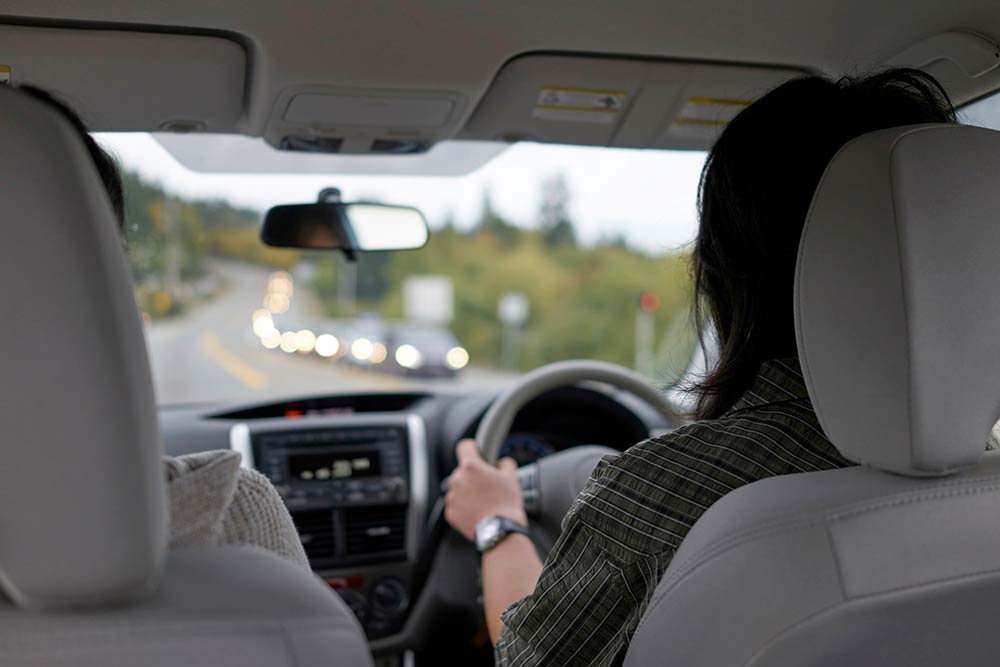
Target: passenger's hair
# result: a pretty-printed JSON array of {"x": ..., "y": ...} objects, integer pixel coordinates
[
  {"x": 755, "y": 191},
  {"x": 107, "y": 168}
]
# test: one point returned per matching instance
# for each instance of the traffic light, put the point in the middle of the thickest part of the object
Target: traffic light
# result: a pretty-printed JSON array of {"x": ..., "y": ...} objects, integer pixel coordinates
[{"x": 649, "y": 302}]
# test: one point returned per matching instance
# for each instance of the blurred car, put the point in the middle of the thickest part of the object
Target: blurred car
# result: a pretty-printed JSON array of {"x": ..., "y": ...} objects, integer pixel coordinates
[
  {"x": 279, "y": 332},
  {"x": 365, "y": 341},
  {"x": 426, "y": 350}
]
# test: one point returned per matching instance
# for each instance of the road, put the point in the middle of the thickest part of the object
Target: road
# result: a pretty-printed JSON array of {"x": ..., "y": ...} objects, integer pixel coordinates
[{"x": 211, "y": 353}]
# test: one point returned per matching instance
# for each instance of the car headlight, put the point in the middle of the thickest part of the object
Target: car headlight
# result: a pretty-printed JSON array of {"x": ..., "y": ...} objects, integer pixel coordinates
[
  {"x": 361, "y": 349},
  {"x": 327, "y": 345},
  {"x": 307, "y": 341},
  {"x": 379, "y": 353},
  {"x": 262, "y": 322},
  {"x": 457, "y": 357},
  {"x": 289, "y": 342},
  {"x": 271, "y": 339},
  {"x": 408, "y": 356}
]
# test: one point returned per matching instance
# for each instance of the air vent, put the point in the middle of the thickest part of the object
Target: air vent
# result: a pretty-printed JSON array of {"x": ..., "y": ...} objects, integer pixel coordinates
[
  {"x": 375, "y": 530},
  {"x": 317, "y": 534}
]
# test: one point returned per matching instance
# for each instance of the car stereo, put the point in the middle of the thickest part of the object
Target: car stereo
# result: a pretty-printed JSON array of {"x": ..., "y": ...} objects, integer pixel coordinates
[
  {"x": 335, "y": 467},
  {"x": 356, "y": 488}
]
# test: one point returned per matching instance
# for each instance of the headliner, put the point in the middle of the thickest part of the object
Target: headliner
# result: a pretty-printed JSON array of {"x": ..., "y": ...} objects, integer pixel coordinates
[{"x": 456, "y": 45}]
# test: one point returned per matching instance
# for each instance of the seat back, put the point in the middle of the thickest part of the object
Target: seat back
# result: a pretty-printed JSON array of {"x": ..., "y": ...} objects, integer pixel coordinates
[
  {"x": 898, "y": 325},
  {"x": 82, "y": 514},
  {"x": 86, "y": 578}
]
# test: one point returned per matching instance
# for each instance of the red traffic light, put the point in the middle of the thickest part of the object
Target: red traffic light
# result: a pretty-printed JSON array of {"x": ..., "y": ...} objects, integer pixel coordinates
[{"x": 649, "y": 302}]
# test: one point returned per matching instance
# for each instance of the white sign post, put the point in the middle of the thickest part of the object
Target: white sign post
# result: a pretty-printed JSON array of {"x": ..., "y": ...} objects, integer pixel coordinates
[{"x": 513, "y": 310}]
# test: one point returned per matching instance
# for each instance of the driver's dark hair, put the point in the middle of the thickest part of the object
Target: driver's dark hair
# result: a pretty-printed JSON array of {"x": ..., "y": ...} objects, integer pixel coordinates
[
  {"x": 755, "y": 191},
  {"x": 107, "y": 168}
]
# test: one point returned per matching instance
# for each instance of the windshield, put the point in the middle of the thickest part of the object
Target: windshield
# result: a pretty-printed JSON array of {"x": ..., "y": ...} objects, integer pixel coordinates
[{"x": 545, "y": 253}]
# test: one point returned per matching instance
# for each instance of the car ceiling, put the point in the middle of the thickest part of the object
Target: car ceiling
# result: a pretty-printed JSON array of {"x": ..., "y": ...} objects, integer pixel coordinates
[{"x": 459, "y": 46}]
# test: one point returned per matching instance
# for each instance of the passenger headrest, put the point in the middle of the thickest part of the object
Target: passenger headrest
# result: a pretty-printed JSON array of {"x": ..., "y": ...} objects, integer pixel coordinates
[
  {"x": 897, "y": 298},
  {"x": 82, "y": 519}
]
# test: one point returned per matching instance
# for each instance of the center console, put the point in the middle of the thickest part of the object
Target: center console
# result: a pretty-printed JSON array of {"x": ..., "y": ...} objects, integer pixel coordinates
[{"x": 356, "y": 487}]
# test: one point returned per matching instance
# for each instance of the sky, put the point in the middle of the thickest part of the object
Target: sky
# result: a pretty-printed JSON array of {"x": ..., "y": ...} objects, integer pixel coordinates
[{"x": 645, "y": 195}]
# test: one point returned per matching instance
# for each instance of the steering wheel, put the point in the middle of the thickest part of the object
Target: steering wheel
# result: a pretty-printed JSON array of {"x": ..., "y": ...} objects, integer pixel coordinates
[{"x": 551, "y": 484}]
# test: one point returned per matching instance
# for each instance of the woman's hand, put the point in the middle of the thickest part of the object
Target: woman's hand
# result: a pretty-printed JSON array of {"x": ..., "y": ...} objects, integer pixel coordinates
[{"x": 477, "y": 490}]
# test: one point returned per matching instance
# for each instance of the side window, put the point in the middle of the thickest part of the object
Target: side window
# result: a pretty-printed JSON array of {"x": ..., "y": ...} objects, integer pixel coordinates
[{"x": 984, "y": 112}]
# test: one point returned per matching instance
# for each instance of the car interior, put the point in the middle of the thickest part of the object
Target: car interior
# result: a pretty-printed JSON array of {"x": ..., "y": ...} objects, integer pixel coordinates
[{"x": 893, "y": 562}]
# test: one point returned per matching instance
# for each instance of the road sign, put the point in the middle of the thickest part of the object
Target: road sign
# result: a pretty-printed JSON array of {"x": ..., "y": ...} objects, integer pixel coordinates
[
  {"x": 429, "y": 299},
  {"x": 513, "y": 309}
]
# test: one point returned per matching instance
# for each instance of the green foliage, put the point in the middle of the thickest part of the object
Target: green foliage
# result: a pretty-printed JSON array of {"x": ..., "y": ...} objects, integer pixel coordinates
[
  {"x": 169, "y": 239},
  {"x": 242, "y": 242},
  {"x": 492, "y": 222},
  {"x": 583, "y": 299},
  {"x": 553, "y": 218},
  {"x": 373, "y": 282}
]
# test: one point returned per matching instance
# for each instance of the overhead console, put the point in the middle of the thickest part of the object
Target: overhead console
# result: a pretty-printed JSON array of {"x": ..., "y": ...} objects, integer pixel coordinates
[
  {"x": 325, "y": 119},
  {"x": 624, "y": 102},
  {"x": 159, "y": 81}
]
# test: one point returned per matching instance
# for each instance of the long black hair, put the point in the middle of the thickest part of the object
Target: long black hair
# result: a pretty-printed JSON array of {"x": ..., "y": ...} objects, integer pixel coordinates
[{"x": 753, "y": 198}]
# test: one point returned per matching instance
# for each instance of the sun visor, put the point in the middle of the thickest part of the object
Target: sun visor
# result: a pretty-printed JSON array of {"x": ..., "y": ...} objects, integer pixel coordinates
[
  {"x": 159, "y": 81},
  {"x": 621, "y": 102}
]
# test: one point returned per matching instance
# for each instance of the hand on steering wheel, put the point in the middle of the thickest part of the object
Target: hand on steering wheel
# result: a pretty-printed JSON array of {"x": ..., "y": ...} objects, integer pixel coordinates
[
  {"x": 548, "y": 486},
  {"x": 477, "y": 490}
]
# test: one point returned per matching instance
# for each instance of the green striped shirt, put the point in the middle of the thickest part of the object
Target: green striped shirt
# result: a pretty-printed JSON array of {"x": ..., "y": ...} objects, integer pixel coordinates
[{"x": 623, "y": 529}]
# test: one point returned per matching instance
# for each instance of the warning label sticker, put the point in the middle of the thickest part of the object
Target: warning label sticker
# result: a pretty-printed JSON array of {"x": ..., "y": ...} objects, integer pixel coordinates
[
  {"x": 703, "y": 118},
  {"x": 4, "y": 75},
  {"x": 586, "y": 105},
  {"x": 709, "y": 110}
]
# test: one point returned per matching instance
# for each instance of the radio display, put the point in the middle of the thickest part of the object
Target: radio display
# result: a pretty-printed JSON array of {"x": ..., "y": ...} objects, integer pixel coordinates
[{"x": 319, "y": 467}]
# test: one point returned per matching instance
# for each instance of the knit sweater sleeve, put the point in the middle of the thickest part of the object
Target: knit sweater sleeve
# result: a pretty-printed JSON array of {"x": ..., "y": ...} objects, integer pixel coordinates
[{"x": 258, "y": 517}]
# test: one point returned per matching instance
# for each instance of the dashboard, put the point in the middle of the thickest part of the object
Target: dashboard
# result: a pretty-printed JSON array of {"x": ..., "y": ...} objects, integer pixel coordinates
[{"x": 360, "y": 474}]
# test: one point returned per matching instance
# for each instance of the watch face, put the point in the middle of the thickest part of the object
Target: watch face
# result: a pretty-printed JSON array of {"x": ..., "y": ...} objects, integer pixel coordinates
[{"x": 487, "y": 531}]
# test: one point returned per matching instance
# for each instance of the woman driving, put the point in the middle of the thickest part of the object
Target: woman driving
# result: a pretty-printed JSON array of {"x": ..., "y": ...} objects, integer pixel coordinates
[{"x": 754, "y": 417}]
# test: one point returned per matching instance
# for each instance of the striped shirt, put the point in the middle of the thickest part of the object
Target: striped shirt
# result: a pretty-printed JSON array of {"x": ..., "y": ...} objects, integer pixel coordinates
[{"x": 622, "y": 531}]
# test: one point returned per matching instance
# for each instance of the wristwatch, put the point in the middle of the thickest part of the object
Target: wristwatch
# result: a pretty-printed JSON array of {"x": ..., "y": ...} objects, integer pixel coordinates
[{"x": 491, "y": 530}]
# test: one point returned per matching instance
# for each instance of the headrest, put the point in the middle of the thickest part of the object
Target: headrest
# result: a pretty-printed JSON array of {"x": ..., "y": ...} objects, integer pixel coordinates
[
  {"x": 897, "y": 298},
  {"x": 82, "y": 518}
]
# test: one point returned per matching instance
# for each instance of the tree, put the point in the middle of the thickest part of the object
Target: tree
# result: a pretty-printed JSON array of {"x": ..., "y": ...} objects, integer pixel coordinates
[
  {"x": 554, "y": 221},
  {"x": 448, "y": 224},
  {"x": 492, "y": 222}
]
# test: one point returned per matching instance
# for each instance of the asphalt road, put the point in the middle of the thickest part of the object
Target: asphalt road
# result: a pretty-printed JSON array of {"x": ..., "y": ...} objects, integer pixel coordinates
[{"x": 211, "y": 353}]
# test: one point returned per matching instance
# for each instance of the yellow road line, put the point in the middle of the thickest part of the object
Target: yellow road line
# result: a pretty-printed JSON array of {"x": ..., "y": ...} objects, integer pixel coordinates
[{"x": 229, "y": 362}]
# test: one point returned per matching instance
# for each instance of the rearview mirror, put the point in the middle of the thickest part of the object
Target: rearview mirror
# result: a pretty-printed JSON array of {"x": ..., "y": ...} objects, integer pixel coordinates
[{"x": 347, "y": 227}]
